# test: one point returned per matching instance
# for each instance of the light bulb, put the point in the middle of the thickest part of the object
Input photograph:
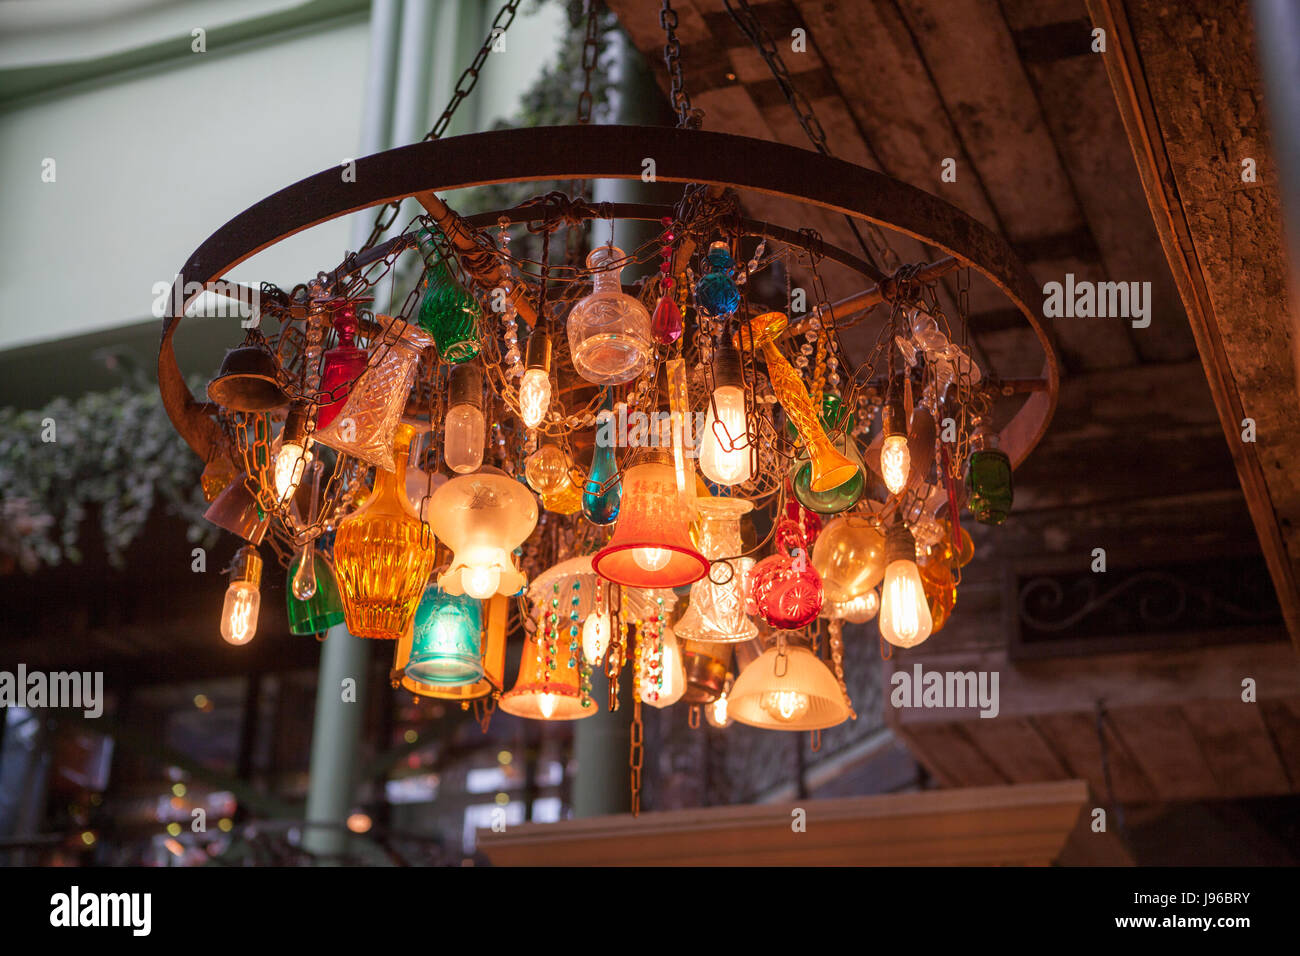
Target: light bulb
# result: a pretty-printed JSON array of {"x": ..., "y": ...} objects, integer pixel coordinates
[
  {"x": 860, "y": 609},
  {"x": 895, "y": 462},
  {"x": 239, "y": 613},
  {"x": 463, "y": 436},
  {"x": 715, "y": 712},
  {"x": 480, "y": 582},
  {"x": 290, "y": 463},
  {"x": 785, "y": 704},
  {"x": 904, "y": 612},
  {"x": 724, "y": 450},
  {"x": 651, "y": 559},
  {"x": 304, "y": 576},
  {"x": 546, "y": 704},
  {"x": 534, "y": 396},
  {"x": 595, "y": 637}
]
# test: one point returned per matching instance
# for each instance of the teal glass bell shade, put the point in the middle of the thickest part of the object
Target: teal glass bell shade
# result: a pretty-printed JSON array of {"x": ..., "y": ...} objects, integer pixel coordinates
[
  {"x": 843, "y": 496},
  {"x": 600, "y": 495},
  {"x": 446, "y": 647},
  {"x": 318, "y": 613},
  {"x": 449, "y": 313}
]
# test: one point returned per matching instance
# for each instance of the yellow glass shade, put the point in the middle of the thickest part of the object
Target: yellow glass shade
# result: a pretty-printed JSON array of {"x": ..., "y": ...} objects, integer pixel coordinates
[
  {"x": 803, "y": 687},
  {"x": 482, "y": 517},
  {"x": 543, "y": 692},
  {"x": 381, "y": 567},
  {"x": 850, "y": 556}
]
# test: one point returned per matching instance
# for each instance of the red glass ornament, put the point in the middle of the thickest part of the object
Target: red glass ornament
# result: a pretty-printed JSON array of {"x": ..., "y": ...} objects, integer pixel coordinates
[
  {"x": 786, "y": 591},
  {"x": 667, "y": 325},
  {"x": 808, "y": 524},
  {"x": 343, "y": 366}
]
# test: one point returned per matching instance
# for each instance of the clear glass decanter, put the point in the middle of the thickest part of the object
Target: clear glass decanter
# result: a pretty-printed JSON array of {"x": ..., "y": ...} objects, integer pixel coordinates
[{"x": 609, "y": 331}]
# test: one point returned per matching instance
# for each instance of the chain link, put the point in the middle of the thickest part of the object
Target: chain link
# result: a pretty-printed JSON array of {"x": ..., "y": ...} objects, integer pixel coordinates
[
  {"x": 687, "y": 116},
  {"x": 590, "y": 55}
]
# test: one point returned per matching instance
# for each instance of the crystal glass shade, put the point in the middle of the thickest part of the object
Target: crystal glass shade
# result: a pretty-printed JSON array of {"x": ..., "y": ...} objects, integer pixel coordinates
[{"x": 716, "y": 613}]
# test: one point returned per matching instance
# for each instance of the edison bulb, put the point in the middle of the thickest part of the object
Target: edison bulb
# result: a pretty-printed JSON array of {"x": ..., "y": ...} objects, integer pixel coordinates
[
  {"x": 860, "y": 609},
  {"x": 895, "y": 462},
  {"x": 595, "y": 637},
  {"x": 303, "y": 584},
  {"x": 785, "y": 705},
  {"x": 715, "y": 712},
  {"x": 724, "y": 450},
  {"x": 463, "y": 438},
  {"x": 290, "y": 463},
  {"x": 239, "y": 612},
  {"x": 546, "y": 704},
  {"x": 534, "y": 396},
  {"x": 904, "y": 612},
  {"x": 651, "y": 559},
  {"x": 480, "y": 582}
]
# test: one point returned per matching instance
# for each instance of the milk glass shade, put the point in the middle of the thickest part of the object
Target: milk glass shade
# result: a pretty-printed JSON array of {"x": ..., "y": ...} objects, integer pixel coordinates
[
  {"x": 446, "y": 647},
  {"x": 609, "y": 331},
  {"x": 482, "y": 517},
  {"x": 799, "y": 693},
  {"x": 716, "y": 613},
  {"x": 849, "y": 554},
  {"x": 549, "y": 686},
  {"x": 381, "y": 564},
  {"x": 651, "y": 547},
  {"x": 324, "y": 608}
]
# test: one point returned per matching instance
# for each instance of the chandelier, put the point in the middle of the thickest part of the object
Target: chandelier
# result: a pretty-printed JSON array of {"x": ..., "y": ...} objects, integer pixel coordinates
[{"x": 647, "y": 474}]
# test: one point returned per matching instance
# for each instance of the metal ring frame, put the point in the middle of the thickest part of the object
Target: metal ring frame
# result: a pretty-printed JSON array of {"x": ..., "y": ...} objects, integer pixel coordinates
[{"x": 604, "y": 152}]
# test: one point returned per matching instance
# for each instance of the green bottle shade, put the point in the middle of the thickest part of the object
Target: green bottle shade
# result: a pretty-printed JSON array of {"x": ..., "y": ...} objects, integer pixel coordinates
[
  {"x": 988, "y": 485},
  {"x": 449, "y": 313},
  {"x": 844, "y": 496},
  {"x": 323, "y": 609},
  {"x": 446, "y": 647}
]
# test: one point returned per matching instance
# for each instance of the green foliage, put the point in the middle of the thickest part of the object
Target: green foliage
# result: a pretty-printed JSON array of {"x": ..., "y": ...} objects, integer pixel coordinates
[{"x": 115, "y": 452}]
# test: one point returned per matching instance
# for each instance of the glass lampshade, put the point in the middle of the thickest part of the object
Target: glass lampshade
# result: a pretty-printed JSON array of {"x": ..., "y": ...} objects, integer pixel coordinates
[
  {"x": 549, "y": 686},
  {"x": 716, "y": 613},
  {"x": 843, "y": 496},
  {"x": 446, "y": 645},
  {"x": 662, "y": 665},
  {"x": 324, "y": 608},
  {"x": 236, "y": 510},
  {"x": 449, "y": 313},
  {"x": 849, "y": 554},
  {"x": 800, "y": 693},
  {"x": 381, "y": 564},
  {"x": 787, "y": 592},
  {"x": 483, "y": 517},
  {"x": 494, "y": 660}
]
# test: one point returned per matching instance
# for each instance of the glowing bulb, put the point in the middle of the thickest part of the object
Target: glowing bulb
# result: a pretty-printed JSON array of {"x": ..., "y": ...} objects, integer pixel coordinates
[
  {"x": 724, "y": 450},
  {"x": 534, "y": 396},
  {"x": 290, "y": 462},
  {"x": 239, "y": 613},
  {"x": 715, "y": 712},
  {"x": 546, "y": 704},
  {"x": 651, "y": 559},
  {"x": 895, "y": 462},
  {"x": 480, "y": 582},
  {"x": 463, "y": 438},
  {"x": 860, "y": 609},
  {"x": 595, "y": 637},
  {"x": 904, "y": 613},
  {"x": 785, "y": 704},
  {"x": 304, "y": 576}
]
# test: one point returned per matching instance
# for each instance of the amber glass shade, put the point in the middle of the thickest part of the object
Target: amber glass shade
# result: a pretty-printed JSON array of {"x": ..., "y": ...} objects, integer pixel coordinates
[
  {"x": 940, "y": 592},
  {"x": 651, "y": 547},
  {"x": 549, "y": 686},
  {"x": 800, "y": 693},
  {"x": 850, "y": 556},
  {"x": 382, "y": 567}
]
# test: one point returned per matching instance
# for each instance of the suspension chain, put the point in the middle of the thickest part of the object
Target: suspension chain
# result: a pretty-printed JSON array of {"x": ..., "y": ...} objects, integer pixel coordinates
[
  {"x": 687, "y": 116},
  {"x": 590, "y": 54}
]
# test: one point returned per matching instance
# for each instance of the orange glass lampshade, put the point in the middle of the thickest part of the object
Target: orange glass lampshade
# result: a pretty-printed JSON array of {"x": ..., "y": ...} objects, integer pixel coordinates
[
  {"x": 550, "y": 685},
  {"x": 940, "y": 591},
  {"x": 797, "y": 693},
  {"x": 381, "y": 566},
  {"x": 652, "y": 546},
  {"x": 482, "y": 517}
]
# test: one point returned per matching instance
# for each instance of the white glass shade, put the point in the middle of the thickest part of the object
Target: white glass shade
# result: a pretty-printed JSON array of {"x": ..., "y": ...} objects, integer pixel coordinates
[
  {"x": 799, "y": 694},
  {"x": 482, "y": 517}
]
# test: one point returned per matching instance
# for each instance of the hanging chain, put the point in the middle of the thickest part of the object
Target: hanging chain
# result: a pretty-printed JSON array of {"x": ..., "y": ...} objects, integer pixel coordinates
[
  {"x": 464, "y": 87},
  {"x": 687, "y": 116},
  {"x": 590, "y": 54}
]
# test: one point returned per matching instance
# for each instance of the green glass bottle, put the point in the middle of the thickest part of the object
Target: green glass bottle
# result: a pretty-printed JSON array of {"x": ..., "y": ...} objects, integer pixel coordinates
[
  {"x": 449, "y": 313},
  {"x": 989, "y": 488},
  {"x": 843, "y": 496},
  {"x": 324, "y": 608}
]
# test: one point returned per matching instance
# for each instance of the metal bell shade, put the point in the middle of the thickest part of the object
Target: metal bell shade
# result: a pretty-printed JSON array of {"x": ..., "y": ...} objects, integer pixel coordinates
[
  {"x": 787, "y": 689},
  {"x": 248, "y": 381},
  {"x": 236, "y": 510},
  {"x": 549, "y": 686},
  {"x": 651, "y": 547}
]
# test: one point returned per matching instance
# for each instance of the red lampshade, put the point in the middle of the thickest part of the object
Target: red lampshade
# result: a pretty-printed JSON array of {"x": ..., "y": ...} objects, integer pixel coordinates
[{"x": 651, "y": 547}]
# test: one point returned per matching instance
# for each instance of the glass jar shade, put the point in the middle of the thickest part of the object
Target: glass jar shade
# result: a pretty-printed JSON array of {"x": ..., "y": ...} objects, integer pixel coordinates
[
  {"x": 716, "y": 613},
  {"x": 609, "y": 331},
  {"x": 989, "y": 486},
  {"x": 849, "y": 554},
  {"x": 799, "y": 693},
  {"x": 482, "y": 517},
  {"x": 324, "y": 608},
  {"x": 381, "y": 563},
  {"x": 446, "y": 647},
  {"x": 651, "y": 546}
]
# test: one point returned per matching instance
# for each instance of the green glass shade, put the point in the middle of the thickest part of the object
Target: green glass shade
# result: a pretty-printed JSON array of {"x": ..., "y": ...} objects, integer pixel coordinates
[
  {"x": 446, "y": 648},
  {"x": 988, "y": 486},
  {"x": 843, "y": 496},
  {"x": 450, "y": 314},
  {"x": 323, "y": 609}
]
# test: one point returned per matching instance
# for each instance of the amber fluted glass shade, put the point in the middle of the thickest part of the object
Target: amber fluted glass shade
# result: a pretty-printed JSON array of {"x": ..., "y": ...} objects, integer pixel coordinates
[
  {"x": 800, "y": 693},
  {"x": 651, "y": 547},
  {"x": 482, "y": 517},
  {"x": 716, "y": 613},
  {"x": 382, "y": 567},
  {"x": 549, "y": 686},
  {"x": 940, "y": 592},
  {"x": 850, "y": 556}
]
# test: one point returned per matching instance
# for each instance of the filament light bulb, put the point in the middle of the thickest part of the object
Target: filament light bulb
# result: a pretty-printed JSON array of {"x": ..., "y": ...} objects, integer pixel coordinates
[
  {"x": 546, "y": 704},
  {"x": 480, "y": 582},
  {"x": 243, "y": 599},
  {"x": 904, "y": 612},
  {"x": 785, "y": 705},
  {"x": 715, "y": 712},
  {"x": 464, "y": 428},
  {"x": 651, "y": 559},
  {"x": 895, "y": 462},
  {"x": 292, "y": 458},
  {"x": 724, "y": 448},
  {"x": 534, "y": 396}
]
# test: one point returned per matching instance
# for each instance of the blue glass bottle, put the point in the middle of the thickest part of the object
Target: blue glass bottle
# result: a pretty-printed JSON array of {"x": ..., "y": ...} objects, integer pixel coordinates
[
  {"x": 716, "y": 292},
  {"x": 601, "y": 494}
]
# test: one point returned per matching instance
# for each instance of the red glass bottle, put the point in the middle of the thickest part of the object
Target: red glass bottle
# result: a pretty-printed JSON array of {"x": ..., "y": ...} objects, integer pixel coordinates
[{"x": 343, "y": 366}]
